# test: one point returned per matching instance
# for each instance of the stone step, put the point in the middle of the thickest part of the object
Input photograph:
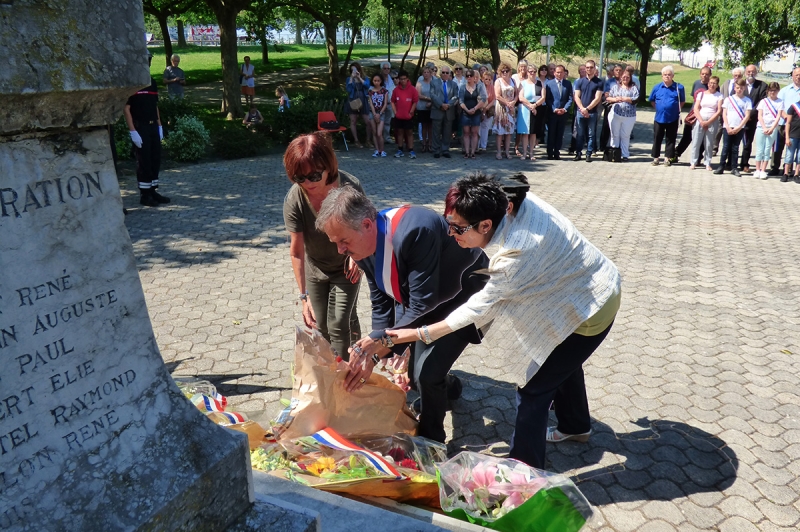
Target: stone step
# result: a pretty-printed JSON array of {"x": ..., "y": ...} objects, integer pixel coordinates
[{"x": 335, "y": 513}]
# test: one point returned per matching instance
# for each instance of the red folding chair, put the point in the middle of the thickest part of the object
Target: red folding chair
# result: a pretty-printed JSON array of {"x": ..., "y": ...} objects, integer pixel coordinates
[{"x": 330, "y": 116}]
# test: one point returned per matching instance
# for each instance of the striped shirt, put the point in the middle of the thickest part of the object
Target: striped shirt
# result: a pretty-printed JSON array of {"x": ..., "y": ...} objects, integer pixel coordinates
[{"x": 546, "y": 280}]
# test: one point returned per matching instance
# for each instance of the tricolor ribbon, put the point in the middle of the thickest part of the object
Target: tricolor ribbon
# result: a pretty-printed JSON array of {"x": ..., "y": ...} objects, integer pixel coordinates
[
  {"x": 208, "y": 404},
  {"x": 796, "y": 111},
  {"x": 234, "y": 417},
  {"x": 772, "y": 109},
  {"x": 386, "y": 275},
  {"x": 333, "y": 439},
  {"x": 739, "y": 110}
]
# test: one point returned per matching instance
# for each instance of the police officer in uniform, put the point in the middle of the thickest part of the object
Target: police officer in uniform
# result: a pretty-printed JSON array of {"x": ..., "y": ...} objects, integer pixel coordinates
[{"x": 144, "y": 124}]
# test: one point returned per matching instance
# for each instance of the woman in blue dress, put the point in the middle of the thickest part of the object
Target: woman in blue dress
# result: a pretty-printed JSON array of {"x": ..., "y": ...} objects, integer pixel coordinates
[{"x": 531, "y": 97}]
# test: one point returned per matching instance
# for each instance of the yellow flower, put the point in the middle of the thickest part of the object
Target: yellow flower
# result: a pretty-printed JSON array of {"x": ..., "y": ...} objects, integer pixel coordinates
[{"x": 322, "y": 465}]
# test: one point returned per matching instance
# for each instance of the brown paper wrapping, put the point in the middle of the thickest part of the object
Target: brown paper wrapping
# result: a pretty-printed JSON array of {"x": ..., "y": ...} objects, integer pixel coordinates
[{"x": 377, "y": 408}]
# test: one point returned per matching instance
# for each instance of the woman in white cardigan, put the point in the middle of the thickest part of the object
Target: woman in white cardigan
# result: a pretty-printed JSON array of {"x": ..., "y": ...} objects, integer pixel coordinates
[{"x": 556, "y": 291}]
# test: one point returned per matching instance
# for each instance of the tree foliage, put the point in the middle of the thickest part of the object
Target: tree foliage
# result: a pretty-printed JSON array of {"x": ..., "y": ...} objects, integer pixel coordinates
[
  {"x": 161, "y": 10},
  {"x": 749, "y": 30},
  {"x": 259, "y": 21},
  {"x": 642, "y": 22}
]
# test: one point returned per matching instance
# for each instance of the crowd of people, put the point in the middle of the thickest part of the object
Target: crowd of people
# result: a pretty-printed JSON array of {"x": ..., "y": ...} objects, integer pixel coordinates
[{"x": 463, "y": 105}]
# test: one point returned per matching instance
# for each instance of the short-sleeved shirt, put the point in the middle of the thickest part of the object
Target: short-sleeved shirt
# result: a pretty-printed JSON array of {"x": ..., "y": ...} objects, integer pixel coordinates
[
  {"x": 698, "y": 86},
  {"x": 404, "y": 100},
  {"x": 144, "y": 105},
  {"x": 708, "y": 103},
  {"x": 248, "y": 71},
  {"x": 589, "y": 88},
  {"x": 322, "y": 257},
  {"x": 173, "y": 72},
  {"x": 770, "y": 111},
  {"x": 621, "y": 91},
  {"x": 668, "y": 102},
  {"x": 737, "y": 109},
  {"x": 794, "y": 128},
  {"x": 789, "y": 94}
]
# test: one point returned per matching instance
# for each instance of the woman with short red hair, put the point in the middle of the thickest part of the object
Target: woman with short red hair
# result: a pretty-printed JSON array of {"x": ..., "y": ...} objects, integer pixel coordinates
[{"x": 328, "y": 281}]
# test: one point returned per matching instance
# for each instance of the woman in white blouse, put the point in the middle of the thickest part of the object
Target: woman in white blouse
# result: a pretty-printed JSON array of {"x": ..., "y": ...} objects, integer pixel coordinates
[
  {"x": 708, "y": 110},
  {"x": 555, "y": 290}
]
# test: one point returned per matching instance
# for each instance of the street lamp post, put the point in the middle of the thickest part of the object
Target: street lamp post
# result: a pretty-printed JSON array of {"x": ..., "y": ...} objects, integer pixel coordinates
[{"x": 603, "y": 38}]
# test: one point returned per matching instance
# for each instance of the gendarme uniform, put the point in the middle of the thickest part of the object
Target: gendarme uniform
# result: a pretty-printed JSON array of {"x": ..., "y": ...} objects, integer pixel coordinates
[{"x": 144, "y": 112}]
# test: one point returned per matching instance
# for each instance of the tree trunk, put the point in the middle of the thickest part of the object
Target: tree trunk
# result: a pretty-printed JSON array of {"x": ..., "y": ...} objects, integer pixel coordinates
[
  {"x": 162, "y": 22},
  {"x": 343, "y": 70},
  {"x": 231, "y": 92},
  {"x": 298, "y": 32},
  {"x": 522, "y": 51},
  {"x": 645, "y": 51},
  {"x": 408, "y": 49},
  {"x": 494, "y": 46},
  {"x": 333, "y": 53},
  {"x": 264, "y": 45},
  {"x": 181, "y": 35},
  {"x": 423, "y": 52}
]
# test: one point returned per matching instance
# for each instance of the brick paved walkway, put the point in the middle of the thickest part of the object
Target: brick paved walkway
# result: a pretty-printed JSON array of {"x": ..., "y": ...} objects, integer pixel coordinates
[{"x": 694, "y": 394}]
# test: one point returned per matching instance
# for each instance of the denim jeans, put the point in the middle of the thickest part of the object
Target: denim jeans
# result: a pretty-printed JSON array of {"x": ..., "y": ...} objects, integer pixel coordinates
[
  {"x": 793, "y": 152},
  {"x": 586, "y": 128}
]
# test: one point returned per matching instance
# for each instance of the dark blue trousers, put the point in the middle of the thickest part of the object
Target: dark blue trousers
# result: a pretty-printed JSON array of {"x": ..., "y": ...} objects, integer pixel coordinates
[{"x": 560, "y": 379}]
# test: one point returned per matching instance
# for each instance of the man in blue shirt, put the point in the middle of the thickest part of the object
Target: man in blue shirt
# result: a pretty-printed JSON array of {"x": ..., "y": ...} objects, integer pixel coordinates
[
  {"x": 588, "y": 95},
  {"x": 789, "y": 94},
  {"x": 668, "y": 98}
]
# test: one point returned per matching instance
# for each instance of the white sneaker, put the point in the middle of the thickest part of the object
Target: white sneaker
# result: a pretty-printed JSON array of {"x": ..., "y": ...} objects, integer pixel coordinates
[
  {"x": 376, "y": 153},
  {"x": 764, "y": 174},
  {"x": 383, "y": 154}
]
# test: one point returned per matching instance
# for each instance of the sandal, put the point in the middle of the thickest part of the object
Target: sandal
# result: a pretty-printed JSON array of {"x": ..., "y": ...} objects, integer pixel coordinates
[
  {"x": 556, "y": 436},
  {"x": 472, "y": 156},
  {"x": 517, "y": 152},
  {"x": 508, "y": 155},
  {"x": 466, "y": 156},
  {"x": 499, "y": 156}
]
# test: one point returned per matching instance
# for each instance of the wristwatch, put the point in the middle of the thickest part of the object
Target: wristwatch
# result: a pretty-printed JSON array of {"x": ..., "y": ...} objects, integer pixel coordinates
[
  {"x": 386, "y": 341},
  {"x": 375, "y": 359},
  {"x": 304, "y": 296}
]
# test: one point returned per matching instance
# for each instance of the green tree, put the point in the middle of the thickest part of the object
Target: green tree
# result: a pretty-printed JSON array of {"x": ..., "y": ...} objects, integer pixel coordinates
[
  {"x": 163, "y": 10},
  {"x": 485, "y": 21},
  {"x": 749, "y": 30},
  {"x": 260, "y": 20},
  {"x": 226, "y": 12},
  {"x": 644, "y": 21}
]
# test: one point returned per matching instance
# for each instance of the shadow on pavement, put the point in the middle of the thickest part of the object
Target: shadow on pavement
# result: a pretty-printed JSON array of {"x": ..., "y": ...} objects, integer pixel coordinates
[
  {"x": 221, "y": 382},
  {"x": 665, "y": 460}
]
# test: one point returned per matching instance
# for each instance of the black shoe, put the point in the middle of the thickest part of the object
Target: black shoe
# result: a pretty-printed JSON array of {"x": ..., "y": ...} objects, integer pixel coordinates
[
  {"x": 446, "y": 155},
  {"x": 784, "y": 178},
  {"x": 557, "y": 156},
  {"x": 624, "y": 159},
  {"x": 454, "y": 387},
  {"x": 718, "y": 170},
  {"x": 577, "y": 157},
  {"x": 571, "y": 152},
  {"x": 158, "y": 197},
  {"x": 550, "y": 157},
  {"x": 797, "y": 179},
  {"x": 736, "y": 172},
  {"x": 147, "y": 199},
  {"x": 774, "y": 172},
  {"x": 436, "y": 155},
  {"x": 588, "y": 157}
]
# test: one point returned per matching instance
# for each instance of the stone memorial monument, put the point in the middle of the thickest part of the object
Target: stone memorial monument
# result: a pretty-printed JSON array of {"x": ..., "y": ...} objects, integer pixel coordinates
[{"x": 94, "y": 435}]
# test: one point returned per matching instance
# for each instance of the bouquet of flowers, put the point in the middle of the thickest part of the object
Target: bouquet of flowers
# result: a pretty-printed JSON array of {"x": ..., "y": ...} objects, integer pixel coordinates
[{"x": 510, "y": 496}]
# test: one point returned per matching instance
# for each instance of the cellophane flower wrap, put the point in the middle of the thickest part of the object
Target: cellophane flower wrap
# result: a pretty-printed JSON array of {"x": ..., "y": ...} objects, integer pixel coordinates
[{"x": 510, "y": 496}]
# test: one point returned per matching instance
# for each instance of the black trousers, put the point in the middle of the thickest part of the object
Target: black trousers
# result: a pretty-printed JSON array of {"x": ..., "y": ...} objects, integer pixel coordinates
[
  {"x": 686, "y": 139},
  {"x": 148, "y": 157},
  {"x": 429, "y": 367},
  {"x": 777, "y": 157},
  {"x": 730, "y": 149},
  {"x": 555, "y": 133},
  {"x": 747, "y": 147},
  {"x": 560, "y": 379},
  {"x": 605, "y": 132},
  {"x": 660, "y": 131}
]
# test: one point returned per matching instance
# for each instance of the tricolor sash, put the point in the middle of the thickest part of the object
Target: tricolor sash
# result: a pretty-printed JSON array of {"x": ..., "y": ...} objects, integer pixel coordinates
[
  {"x": 772, "y": 109},
  {"x": 331, "y": 438},
  {"x": 386, "y": 275},
  {"x": 796, "y": 111},
  {"x": 739, "y": 110}
]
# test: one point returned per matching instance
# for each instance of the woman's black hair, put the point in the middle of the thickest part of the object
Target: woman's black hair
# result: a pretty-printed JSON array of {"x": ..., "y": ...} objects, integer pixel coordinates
[
  {"x": 477, "y": 197},
  {"x": 516, "y": 188}
]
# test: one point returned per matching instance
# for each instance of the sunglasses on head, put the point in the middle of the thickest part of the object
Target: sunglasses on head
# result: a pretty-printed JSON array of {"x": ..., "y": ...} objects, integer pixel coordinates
[{"x": 314, "y": 178}]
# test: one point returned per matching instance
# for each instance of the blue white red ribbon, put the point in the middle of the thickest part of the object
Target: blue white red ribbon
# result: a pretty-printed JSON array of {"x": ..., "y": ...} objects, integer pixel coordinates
[
  {"x": 772, "y": 109},
  {"x": 739, "y": 110},
  {"x": 386, "y": 275},
  {"x": 333, "y": 439},
  {"x": 209, "y": 404},
  {"x": 235, "y": 418}
]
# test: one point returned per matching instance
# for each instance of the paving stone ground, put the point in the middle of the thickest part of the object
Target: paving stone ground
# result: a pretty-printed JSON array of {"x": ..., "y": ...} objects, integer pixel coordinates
[{"x": 694, "y": 394}]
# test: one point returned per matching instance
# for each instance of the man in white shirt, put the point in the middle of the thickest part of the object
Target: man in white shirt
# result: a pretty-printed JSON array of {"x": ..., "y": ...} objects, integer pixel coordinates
[
  {"x": 789, "y": 94},
  {"x": 388, "y": 82}
]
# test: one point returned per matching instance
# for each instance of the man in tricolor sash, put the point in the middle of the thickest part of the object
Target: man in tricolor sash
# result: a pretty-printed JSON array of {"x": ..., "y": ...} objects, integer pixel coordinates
[{"x": 416, "y": 274}]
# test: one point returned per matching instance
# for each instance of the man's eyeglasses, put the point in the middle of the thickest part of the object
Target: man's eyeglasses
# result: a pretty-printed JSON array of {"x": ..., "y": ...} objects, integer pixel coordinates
[
  {"x": 314, "y": 178},
  {"x": 457, "y": 229},
  {"x": 446, "y": 72}
]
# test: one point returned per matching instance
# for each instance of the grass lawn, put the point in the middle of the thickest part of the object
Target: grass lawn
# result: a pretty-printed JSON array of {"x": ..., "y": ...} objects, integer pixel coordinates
[
  {"x": 686, "y": 77},
  {"x": 202, "y": 64}
]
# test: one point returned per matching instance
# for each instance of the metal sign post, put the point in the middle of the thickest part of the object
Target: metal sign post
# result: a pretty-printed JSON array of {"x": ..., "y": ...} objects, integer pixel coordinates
[{"x": 548, "y": 40}]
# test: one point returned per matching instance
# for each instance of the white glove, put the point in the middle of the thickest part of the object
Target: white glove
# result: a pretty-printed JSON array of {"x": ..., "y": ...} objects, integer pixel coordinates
[
  {"x": 160, "y": 133},
  {"x": 136, "y": 139}
]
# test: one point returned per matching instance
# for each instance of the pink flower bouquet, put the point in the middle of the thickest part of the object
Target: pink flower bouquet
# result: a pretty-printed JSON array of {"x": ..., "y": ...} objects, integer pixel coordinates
[{"x": 508, "y": 495}]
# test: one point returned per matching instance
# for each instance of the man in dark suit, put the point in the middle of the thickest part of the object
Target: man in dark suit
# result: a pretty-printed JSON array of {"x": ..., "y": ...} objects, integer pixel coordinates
[
  {"x": 756, "y": 90},
  {"x": 417, "y": 274},
  {"x": 444, "y": 101},
  {"x": 558, "y": 101}
]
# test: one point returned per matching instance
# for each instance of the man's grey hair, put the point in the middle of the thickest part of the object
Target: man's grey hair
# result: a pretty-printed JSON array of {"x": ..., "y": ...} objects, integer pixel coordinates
[
  {"x": 738, "y": 70},
  {"x": 669, "y": 69},
  {"x": 386, "y": 64},
  {"x": 345, "y": 205}
]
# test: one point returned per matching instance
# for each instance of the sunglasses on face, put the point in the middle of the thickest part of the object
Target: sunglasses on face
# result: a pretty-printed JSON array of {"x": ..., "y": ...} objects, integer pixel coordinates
[
  {"x": 505, "y": 71},
  {"x": 457, "y": 229},
  {"x": 459, "y": 68},
  {"x": 469, "y": 75},
  {"x": 314, "y": 178},
  {"x": 445, "y": 72}
]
